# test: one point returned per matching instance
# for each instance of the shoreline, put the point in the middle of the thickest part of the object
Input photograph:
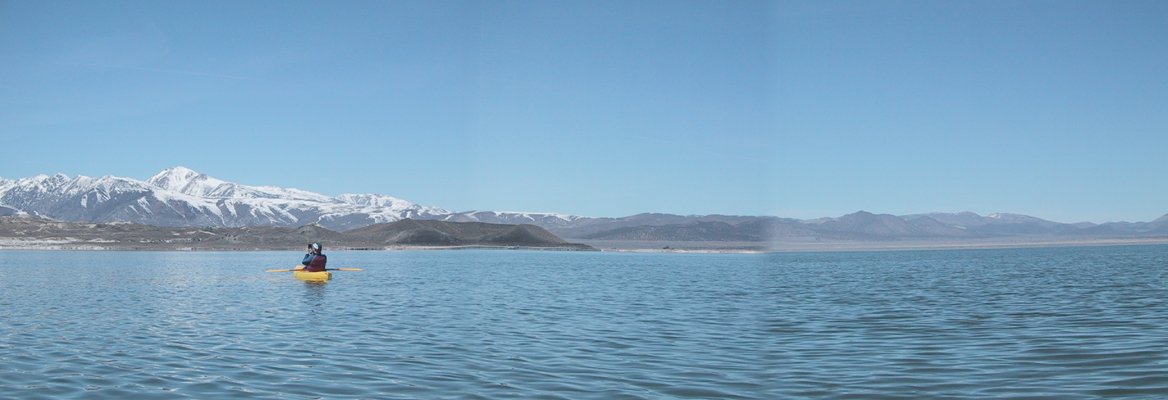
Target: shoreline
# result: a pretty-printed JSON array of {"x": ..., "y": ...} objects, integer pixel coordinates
[
  {"x": 971, "y": 245},
  {"x": 617, "y": 247},
  {"x": 95, "y": 247}
]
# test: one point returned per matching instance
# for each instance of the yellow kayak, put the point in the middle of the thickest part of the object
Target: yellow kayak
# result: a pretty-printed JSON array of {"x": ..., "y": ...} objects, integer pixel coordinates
[{"x": 320, "y": 276}]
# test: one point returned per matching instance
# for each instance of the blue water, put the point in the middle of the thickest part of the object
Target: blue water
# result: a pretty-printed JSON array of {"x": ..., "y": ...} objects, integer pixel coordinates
[{"x": 1059, "y": 323}]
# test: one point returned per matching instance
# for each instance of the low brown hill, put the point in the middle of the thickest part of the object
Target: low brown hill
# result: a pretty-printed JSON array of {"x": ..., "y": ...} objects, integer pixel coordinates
[
  {"x": 441, "y": 233},
  {"x": 405, "y": 232},
  {"x": 317, "y": 233},
  {"x": 526, "y": 234}
]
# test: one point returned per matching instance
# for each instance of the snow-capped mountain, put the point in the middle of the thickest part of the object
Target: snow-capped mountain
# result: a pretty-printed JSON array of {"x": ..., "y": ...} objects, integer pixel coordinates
[
  {"x": 546, "y": 220},
  {"x": 182, "y": 197},
  {"x": 186, "y": 181}
]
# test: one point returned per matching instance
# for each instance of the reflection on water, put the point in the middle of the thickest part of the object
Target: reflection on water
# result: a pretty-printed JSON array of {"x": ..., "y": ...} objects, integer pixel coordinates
[
  {"x": 1055, "y": 323},
  {"x": 314, "y": 293}
]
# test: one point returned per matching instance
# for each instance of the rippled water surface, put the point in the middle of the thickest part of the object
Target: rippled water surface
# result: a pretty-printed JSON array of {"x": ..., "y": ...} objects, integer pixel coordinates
[{"x": 1058, "y": 323}]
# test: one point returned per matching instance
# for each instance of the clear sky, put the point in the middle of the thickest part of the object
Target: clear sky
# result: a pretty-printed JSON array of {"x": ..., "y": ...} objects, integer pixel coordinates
[{"x": 1057, "y": 109}]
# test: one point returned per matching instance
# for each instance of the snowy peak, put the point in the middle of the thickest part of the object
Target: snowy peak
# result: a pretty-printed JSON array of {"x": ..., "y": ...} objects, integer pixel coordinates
[
  {"x": 391, "y": 204},
  {"x": 1014, "y": 218},
  {"x": 173, "y": 178},
  {"x": 1020, "y": 219},
  {"x": 376, "y": 200},
  {"x": 45, "y": 185},
  {"x": 43, "y": 182},
  {"x": 187, "y": 181},
  {"x": 546, "y": 220}
]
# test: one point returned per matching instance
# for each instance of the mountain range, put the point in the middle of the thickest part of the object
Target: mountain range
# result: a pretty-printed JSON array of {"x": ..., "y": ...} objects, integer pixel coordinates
[{"x": 181, "y": 197}]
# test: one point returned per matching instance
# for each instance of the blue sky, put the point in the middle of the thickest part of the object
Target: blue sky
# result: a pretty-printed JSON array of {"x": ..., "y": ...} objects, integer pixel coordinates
[{"x": 797, "y": 109}]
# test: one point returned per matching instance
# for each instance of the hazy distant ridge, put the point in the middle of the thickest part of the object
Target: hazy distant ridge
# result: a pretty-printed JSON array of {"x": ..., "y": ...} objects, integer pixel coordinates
[{"x": 860, "y": 226}]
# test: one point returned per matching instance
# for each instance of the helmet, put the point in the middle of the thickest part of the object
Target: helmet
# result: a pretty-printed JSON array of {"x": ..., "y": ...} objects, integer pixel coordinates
[{"x": 315, "y": 246}]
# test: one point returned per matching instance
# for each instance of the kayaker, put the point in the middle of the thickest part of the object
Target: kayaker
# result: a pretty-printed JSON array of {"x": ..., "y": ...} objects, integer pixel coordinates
[{"x": 314, "y": 260}]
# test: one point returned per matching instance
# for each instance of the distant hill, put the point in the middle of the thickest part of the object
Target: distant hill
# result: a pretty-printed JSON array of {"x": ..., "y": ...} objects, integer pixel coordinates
[
  {"x": 8, "y": 211},
  {"x": 684, "y": 232}
]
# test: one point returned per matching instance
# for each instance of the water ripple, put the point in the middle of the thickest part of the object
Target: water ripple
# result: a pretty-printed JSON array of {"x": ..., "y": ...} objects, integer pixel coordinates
[{"x": 1038, "y": 323}]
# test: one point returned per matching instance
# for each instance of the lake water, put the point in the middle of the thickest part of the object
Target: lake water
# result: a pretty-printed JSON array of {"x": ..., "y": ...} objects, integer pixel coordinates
[{"x": 1059, "y": 323}]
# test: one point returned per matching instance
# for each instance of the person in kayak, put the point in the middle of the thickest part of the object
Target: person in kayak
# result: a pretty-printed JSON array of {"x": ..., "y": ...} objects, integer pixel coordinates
[{"x": 315, "y": 260}]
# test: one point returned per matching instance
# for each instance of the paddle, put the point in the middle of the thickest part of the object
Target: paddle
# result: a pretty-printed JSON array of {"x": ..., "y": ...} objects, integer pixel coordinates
[{"x": 326, "y": 269}]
